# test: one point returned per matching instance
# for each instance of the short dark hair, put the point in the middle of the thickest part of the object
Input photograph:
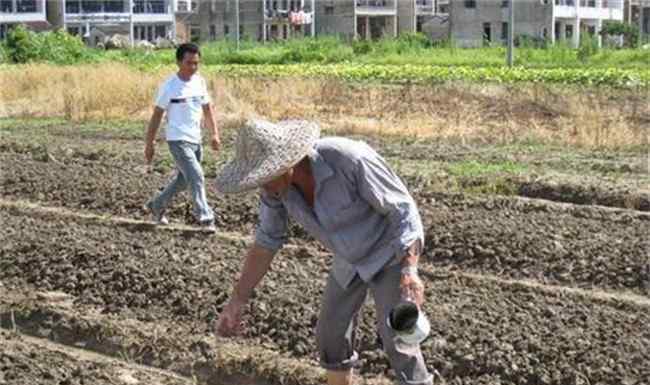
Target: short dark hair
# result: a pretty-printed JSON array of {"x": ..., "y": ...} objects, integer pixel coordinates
[{"x": 185, "y": 48}]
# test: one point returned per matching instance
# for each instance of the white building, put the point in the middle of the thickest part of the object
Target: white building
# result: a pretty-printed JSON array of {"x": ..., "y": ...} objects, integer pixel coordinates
[
  {"x": 476, "y": 22},
  {"x": 571, "y": 17},
  {"x": 94, "y": 19},
  {"x": 31, "y": 13}
]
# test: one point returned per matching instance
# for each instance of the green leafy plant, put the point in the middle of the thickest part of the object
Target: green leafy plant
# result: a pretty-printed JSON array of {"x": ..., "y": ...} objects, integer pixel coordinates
[{"x": 630, "y": 32}]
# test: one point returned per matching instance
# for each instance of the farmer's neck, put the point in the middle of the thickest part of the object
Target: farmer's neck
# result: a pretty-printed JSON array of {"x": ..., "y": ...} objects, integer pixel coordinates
[{"x": 303, "y": 178}]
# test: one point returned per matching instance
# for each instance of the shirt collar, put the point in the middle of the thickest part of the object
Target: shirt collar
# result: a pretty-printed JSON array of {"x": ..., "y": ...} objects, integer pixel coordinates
[{"x": 319, "y": 167}]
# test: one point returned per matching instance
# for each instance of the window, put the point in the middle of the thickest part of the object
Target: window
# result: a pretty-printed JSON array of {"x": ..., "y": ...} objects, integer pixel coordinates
[
  {"x": 113, "y": 6},
  {"x": 213, "y": 32},
  {"x": 505, "y": 4},
  {"x": 544, "y": 33},
  {"x": 329, "y": 9},
  {"x": 487, "y": 32},
  {"x": 470, "y": 3},
  {"x": 195, "y": 34},
  {"x": 26, "y": 6},
  {"x": 161, "y": 31},
  {"x": 504, "y": 31},
  {"x": 89, "y": 6},
  {"x": 226, "y": 29},
  {"x": 6, "y": 7},
  {"x": 569, "y": 31}
]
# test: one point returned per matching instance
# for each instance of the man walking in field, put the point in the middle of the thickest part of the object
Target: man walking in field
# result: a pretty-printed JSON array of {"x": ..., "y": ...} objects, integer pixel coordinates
[
  {"x": 184, "y": 96},
  {"x": 345, "y": 195}
]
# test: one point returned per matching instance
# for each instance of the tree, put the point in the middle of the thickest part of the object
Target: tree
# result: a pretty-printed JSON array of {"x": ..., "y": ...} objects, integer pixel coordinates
[{"x": 629, "y": 32}]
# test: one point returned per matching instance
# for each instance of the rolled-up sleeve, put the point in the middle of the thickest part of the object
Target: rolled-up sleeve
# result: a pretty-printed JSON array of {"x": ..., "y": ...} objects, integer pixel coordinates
[
  {"x": 271, "y": 232},
  {"x": 388, "y": 195},
  {"x": 163, "y": 97}
]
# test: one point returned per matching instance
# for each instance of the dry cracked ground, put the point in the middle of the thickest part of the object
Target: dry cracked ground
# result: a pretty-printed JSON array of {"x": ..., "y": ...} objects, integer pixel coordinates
[{"x": 536, "y": 267}]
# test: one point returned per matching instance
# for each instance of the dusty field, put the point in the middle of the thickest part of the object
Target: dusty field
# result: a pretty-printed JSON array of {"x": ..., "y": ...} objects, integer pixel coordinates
[{"x": 520, "y": 291}]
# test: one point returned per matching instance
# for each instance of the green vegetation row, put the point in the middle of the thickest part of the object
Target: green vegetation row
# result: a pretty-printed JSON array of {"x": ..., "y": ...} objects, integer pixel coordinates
[
  {"x": 432, "y": 74},
  {"x": 23, "y": 46}
]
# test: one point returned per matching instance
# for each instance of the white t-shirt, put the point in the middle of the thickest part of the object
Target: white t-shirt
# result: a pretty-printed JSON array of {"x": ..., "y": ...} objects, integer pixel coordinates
[{"x": 183, "y": 101}]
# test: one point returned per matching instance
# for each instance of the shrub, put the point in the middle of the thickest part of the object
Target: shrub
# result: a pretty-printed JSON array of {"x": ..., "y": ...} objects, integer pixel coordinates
[
  {"x": 588, "y": 48},
  {"x": 630, "y": 32},
  {"x": 58, "y": 47}
]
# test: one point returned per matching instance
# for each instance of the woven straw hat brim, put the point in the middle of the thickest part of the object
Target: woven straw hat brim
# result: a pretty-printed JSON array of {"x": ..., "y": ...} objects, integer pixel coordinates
[{"x": 296, "y": 140}]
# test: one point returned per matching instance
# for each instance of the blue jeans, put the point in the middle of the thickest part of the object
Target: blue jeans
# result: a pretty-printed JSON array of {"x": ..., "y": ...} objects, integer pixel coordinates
[{"x": 188, "y": 171}]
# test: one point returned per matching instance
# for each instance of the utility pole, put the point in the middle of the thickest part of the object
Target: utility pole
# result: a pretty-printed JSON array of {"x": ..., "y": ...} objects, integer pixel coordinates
[
  {"x": 511, "y": 33},
  {"x": 313, "y": 18},
  {"x": 237, "y": 22}
]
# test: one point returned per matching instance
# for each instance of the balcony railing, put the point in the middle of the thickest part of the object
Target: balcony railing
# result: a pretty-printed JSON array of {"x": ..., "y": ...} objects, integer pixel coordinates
[
  {"x": 22, "y": 6},
  {"x": 375, "y": 3},
  {"x": 376, "y": 7},
  {"x": 425, "y": 5},
  {"x": 613, "y": 4},
  {"x": 284, "y": 5},
  {"x": 187, "y": 6},
  {"x": 156, "y": 7},
  {"x": 73, "y": 7},
  {"x": 88, "y": 6}
]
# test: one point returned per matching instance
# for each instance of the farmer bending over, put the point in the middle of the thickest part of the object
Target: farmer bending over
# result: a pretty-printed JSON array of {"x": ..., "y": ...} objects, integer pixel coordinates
[{"x": 345, "y": 195}]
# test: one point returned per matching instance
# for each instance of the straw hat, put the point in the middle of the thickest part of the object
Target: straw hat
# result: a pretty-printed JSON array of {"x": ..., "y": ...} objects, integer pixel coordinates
[{"x": 264, "y": 151}]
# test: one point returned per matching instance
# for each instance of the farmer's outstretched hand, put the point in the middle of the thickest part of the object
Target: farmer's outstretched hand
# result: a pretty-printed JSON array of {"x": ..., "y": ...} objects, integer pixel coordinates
[{"x": 230, "y": 320}]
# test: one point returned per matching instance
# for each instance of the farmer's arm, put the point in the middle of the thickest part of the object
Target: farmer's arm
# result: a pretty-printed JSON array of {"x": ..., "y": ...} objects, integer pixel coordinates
[
  {"x": 269, "y": 238},
  {"x": 257, "y": 263},
  {"x": 211, "y": 123},
  {"x": 152, "y": 131},
  {"x": 386, "y": 193}
]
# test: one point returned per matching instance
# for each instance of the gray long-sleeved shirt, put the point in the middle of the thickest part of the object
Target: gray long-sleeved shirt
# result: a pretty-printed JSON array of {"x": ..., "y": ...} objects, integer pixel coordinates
[{"x": 362, "y": 211}]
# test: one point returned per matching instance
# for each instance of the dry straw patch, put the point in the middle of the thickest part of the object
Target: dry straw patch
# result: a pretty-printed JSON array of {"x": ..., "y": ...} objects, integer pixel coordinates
[{"x": 587, "y": 117}]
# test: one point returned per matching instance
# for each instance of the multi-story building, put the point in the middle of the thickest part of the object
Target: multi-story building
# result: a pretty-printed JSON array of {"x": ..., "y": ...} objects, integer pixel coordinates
[
  {"x": 31, "y": 13},
  {"x": 372, "y": 19},
  {"x": 94, "y": 19},
  {"x": 261, "y": 20},
  {"x": 352, "y": 19},
  {"x": 637, "y": 12},
  {"x": 427, "y": 16},
  {"x": 474, "y": 23}
]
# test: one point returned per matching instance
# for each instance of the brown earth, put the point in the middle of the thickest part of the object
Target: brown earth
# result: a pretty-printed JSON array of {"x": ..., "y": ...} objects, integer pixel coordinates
[{"x": 520, "y": 291}]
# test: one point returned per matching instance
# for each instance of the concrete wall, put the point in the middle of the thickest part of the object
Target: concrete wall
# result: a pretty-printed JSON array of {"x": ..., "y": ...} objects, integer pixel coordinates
[
  {"x": 406, "y": 16},
  {"x": 55, "y": 13},
  {"x": 335, "y": 17},
  {"x": 212, "y": 19},
  {"x": 436, "y": 28},
  {"x": 467, "y": 24}
]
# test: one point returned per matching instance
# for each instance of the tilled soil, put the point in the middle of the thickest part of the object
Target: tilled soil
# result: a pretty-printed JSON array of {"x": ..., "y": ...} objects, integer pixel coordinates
[
  {"x": 559, "y": 244},
  {"x": 25, "y": 360},
  {"x": 484, "y": 331},
  {"x": 519, "y": 291},
  {"x": 575, "y": 245}
]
